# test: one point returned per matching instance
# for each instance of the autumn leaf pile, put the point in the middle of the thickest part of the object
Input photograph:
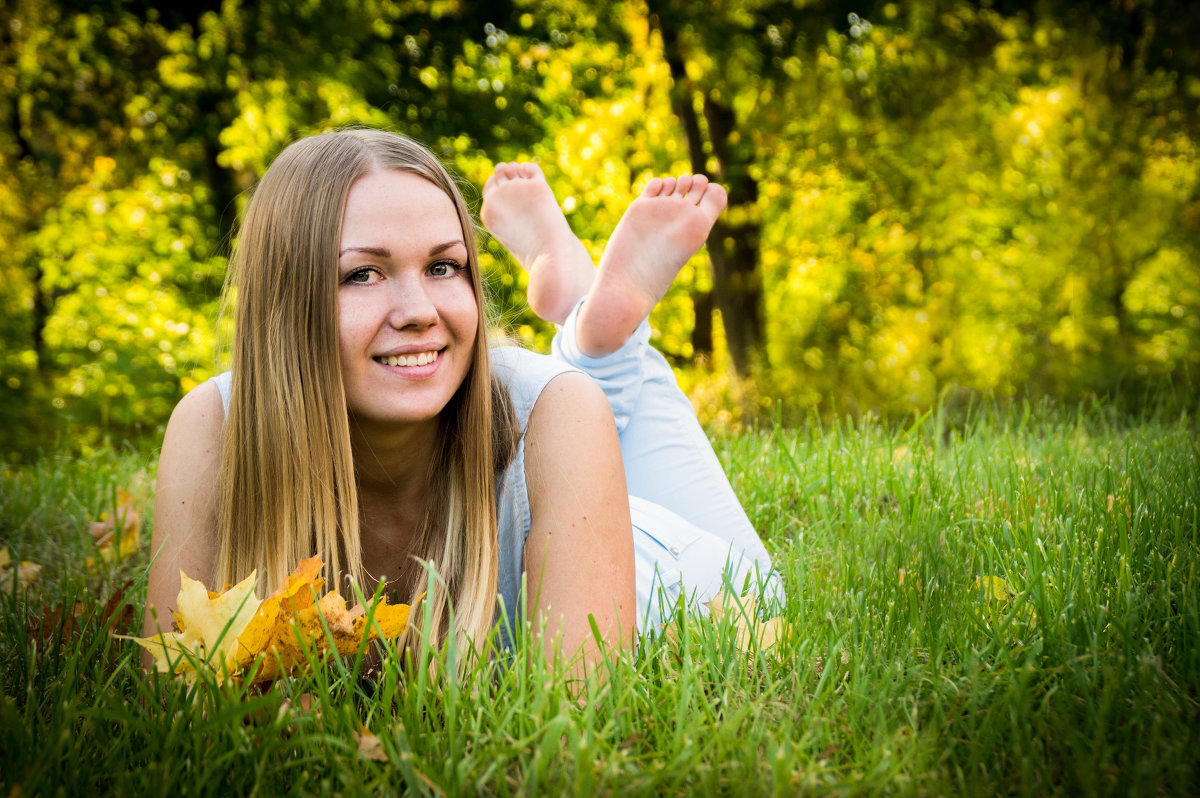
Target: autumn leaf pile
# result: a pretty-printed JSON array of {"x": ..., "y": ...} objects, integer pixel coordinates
[{"x": 227, "y": 632}]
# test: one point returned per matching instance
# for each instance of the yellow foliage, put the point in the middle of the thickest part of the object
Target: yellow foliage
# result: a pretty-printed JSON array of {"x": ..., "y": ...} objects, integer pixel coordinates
[{"x": 228, "y": 631}]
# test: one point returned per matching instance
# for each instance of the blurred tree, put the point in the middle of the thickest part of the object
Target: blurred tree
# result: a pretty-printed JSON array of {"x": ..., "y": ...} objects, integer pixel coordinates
[
  {"x": 129, "y": 134},
  {"x": 726, "y": 60},
  {"x": 925, "y": 196}
]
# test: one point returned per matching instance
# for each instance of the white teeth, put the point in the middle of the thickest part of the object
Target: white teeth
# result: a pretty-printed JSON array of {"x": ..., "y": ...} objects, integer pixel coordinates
[{"x": 422, "y": 359}]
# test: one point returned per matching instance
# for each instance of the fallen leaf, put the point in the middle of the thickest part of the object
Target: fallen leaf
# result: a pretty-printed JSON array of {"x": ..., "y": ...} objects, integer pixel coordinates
[
  {"x": 995, "y": 588},
  {"x": 117, "y": 535},
  {"x": 55, "y": 621},
  {"x": 264, "y": 632},
  {"x": 727, "y": 601},
  {"x": 369, "y": 745},
  {"x": 208, "y": 629},
  {"x": 1000, "y": 602},
  {"x": 27, "y": 572},
  {"x": 230, "y": 630},
  {"x": 762, "y": 635},
  {"x": 117, "y": 610},
  {"x": 752, "y": 634}
]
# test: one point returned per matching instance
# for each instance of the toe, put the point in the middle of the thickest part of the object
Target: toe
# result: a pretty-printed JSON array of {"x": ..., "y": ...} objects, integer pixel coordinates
[
  {"x": 530, "y": 171},
  {"x": 683, "y": 184},
  {"x": 714, "y": 200},
  {"x": 668, "y": 185},
  {"x": 653, "y": 188},
  {"x": 696, "y": 192}
]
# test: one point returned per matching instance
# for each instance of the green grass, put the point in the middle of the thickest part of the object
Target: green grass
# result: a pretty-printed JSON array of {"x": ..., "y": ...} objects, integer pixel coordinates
[{"x": 1086, "y": 682}]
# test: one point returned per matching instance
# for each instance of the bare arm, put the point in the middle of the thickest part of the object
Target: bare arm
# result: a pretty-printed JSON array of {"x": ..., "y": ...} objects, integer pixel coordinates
[
  {"x": 579, "y": 554},
  {"x": 185, "y": 503}
]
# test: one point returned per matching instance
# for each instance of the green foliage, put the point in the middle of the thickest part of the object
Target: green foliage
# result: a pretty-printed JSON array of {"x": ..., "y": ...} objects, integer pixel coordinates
[
  {"x": 135, "y": 297},
  {"x": 990, "y": 227},
  {"x": 930, "y": 197}
]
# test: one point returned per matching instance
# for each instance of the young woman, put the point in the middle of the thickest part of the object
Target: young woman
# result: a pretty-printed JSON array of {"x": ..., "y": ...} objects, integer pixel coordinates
[{"x": 367, "y": 419}]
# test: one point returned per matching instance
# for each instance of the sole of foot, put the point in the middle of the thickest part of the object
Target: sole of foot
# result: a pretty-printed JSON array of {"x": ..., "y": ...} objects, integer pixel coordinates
[
  {"x": 659, "y": 232},
  {"x": 520, "y": 211}
]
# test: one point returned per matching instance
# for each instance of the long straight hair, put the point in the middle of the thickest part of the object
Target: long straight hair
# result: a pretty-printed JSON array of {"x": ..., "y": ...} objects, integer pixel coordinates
[{"x": 288, "y": 487}]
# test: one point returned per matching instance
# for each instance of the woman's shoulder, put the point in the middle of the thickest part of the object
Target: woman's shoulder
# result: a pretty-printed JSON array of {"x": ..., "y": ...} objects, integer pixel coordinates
[
  {"x": 196, "y": 423},
  {"x": 205, "y": 406},
  {"x": 525, "y": 374}
]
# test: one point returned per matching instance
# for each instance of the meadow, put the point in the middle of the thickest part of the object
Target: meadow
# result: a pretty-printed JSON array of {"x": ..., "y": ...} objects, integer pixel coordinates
[{"x": 992, "y": 600}]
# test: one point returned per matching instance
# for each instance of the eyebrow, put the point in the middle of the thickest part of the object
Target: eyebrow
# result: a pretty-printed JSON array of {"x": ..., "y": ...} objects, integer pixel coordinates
[
  {"x": 381, "y": 252},
  {"x": 378, "y": 252}
]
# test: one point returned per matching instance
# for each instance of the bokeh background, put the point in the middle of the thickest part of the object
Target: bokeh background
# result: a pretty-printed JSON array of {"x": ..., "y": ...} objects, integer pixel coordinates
[{"x": 930, "y": 200}]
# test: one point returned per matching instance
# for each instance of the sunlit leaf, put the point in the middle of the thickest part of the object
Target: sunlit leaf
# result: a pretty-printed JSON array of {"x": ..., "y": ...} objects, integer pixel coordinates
[
  {"x": 230, "y": 630},
  {"x": 995, "y": 588},
  {"x": 369, "y": 745},
  {"x": 117, "y": 535},
  {"x": 752, "y": 634},
  {"x": 27, "y": 571}
]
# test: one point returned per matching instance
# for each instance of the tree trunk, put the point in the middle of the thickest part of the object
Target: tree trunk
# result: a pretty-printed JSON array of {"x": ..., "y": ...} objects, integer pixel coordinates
[
  {"x": 41, "y": 302},
  {"x": 732, "y": 248},
  {"x": 702, "y": 328}
]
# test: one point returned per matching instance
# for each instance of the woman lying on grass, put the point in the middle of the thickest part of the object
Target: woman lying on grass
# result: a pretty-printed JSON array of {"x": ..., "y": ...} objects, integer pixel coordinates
[{"x": 366, "y": 417}]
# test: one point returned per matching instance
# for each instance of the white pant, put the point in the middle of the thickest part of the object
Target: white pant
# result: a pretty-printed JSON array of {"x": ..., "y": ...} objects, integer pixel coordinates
[{"x": 691, "y": 536}]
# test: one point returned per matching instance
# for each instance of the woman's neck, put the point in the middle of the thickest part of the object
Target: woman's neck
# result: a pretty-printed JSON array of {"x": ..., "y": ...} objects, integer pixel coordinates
[
  {"x": 392, "y": 470},
  {"x": 393, "y": 462}
]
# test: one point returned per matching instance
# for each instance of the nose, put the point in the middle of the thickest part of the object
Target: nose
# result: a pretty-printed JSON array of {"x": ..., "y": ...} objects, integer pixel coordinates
[{"x": 411, "y": 303}]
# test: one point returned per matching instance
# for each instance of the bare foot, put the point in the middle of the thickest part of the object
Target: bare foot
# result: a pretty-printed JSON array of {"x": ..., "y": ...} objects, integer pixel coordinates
[
  {"x": 660, "y": 230},
  {"x": 519, "y": 209}
]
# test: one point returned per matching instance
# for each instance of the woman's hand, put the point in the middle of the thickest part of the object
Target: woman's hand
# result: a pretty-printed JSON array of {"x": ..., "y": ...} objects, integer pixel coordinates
[{"x": 579, "y": 554}]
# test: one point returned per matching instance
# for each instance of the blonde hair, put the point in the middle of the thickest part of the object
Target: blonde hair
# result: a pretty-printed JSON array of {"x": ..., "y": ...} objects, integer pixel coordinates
[{"x": 288, "y": 487}]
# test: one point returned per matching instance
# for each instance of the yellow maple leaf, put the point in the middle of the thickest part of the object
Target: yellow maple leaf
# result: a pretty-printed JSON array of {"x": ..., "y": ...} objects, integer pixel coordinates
[
  {"x": 27, "y": 571},
  {"x": 228, "y": 631},
  {"x": 265, "y": 629},
  {"x": 728, "y": 601},
  {"x": 207, "y": 629},
  {"x": 1000, "y": 601},
  {"x": 762, "y": 635},
  {"x": 347, "y": 628}
]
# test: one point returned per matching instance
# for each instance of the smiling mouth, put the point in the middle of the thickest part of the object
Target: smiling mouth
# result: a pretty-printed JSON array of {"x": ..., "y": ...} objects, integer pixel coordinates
[{"x": 415, "y": 359}]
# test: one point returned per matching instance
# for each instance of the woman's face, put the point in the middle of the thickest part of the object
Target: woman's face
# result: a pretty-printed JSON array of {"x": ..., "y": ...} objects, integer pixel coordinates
[{"x": 407, "y": 314}]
